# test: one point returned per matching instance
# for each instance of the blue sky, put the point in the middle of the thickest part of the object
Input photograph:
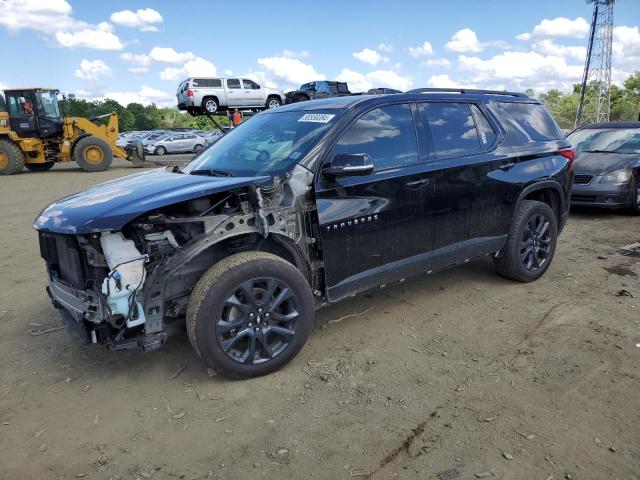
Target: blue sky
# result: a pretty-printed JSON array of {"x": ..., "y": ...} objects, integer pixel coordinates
[{"x": 140, "y": 50}]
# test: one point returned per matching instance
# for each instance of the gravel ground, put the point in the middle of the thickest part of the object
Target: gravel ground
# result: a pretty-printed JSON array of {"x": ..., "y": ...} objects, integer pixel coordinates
[{"x": 462, "y": 374}]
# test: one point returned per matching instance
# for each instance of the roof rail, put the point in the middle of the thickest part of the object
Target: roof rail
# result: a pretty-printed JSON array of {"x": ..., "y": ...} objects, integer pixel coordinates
[{"x": 466, "y": 90}]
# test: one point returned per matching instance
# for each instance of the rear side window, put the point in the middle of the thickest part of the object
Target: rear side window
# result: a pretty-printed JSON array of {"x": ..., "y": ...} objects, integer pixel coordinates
[
  {"x": 485, "y": 131},
  {"x": 387, "y": 134},
  {"x": 233, "y": 83},
  {"x": 452, "y": 127},
  {"x": 207, "y": 82},
  {"x": 534, "y": 120}
]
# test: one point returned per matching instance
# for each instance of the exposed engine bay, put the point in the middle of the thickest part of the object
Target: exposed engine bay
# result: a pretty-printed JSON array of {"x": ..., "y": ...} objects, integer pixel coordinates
[{"x": 131, "y": 288}]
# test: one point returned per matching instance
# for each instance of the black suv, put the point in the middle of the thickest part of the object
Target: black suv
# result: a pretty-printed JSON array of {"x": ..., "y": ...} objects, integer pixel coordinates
[
  {"x": 317, "y": 90},
  {"x": 302, "y": 206}
]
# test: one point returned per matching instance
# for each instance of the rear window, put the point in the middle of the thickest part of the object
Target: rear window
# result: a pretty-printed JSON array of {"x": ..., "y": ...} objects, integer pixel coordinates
[
  {"x": 233, "y": 83},
  {"x": 452, "y": 128},
  {"x": 534, "y": 120},
  {"x": 207, "y": 82}
]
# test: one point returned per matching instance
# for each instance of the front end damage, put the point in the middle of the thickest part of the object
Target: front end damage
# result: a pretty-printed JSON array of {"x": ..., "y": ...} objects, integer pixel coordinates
[{"x": 130, "y": 288}]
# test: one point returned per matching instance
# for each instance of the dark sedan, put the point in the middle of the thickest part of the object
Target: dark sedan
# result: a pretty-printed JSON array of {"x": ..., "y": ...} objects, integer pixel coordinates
[{"x": 607, "y": 165}]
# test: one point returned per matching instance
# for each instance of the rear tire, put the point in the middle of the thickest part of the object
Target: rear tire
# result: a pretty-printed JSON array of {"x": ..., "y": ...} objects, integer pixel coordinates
[
  {"x": 250, "y": 314},
  {"x": 39, "y": 167},
  {"x": 531, "y": 243},
  {"x": 210, "y": 105},
  {"x": 11, "y": 158},
  {"x": 93, "y": 154}
]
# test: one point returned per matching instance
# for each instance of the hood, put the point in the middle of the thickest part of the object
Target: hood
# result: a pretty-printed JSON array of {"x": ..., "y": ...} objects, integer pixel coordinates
[
  {"x": 273, "y": 90},
  {"x": 601, "y": 163},
  {"x": 111, "y": 205}
]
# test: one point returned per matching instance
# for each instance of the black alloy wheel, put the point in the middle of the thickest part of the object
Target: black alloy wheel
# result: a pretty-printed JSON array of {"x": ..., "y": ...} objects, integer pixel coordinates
[
  {"x": 258, "y": 321},
  {"x": 250, "y": 314},
  {"x": 535, "y": 245}
]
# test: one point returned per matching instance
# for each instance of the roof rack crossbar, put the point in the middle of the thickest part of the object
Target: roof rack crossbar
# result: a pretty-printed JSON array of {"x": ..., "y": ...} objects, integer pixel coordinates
[{"x": 466, "y": 90}]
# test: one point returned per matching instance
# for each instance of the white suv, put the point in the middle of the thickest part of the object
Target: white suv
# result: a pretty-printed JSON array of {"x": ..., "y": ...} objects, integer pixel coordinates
[{"x": 209, "y": 95}]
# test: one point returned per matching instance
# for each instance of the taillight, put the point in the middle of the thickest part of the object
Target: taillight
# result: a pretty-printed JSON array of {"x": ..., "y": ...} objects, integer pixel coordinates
[
  {"x": 190, "y": 93},
  {"x": 569, "y": 154}
]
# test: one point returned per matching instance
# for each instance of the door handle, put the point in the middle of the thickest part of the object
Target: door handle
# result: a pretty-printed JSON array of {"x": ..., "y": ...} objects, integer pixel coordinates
[
  {"x": 507, "y": 166},
  {"x": 418, "y": 183}
]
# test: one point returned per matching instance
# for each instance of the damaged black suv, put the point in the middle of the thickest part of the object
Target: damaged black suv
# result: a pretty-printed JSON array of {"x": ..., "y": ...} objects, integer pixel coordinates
[{"x": 305, "y": 205}]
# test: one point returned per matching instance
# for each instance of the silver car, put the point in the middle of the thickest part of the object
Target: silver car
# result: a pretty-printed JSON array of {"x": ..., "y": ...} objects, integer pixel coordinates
[
  {"x": 174, "y": 143},
  {"x": 210, "y": 95}
]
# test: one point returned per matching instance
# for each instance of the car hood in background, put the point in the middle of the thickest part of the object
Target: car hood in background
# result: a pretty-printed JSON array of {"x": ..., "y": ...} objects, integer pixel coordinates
[
  {"x": 111, "y": 205},
  {"x": 600, "y": 163}
]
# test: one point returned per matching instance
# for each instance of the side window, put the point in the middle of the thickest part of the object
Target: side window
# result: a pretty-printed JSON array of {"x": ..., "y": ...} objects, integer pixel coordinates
[
  {"x": 342, "y": 88},
  {"x": 322, "y": 87},
  {"x": 20, "y": 105},
  {"x": 233, "y": 83},
  {"x": 485, "y": 130},
  {"x": 215, "y": 83},
  {"x": 452, "y": 127},
  {"x": 387, "y": 134},
  {"x": 248, "y": 84},
  {"x": 534, "y": 119}
]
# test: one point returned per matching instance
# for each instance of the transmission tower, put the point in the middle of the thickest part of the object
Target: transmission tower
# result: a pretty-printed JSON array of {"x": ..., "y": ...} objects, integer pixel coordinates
[{"x": 595, "y": 91}]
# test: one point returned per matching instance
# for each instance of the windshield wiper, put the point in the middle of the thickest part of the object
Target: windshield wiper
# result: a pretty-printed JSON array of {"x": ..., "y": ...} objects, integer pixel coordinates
[
  {"x": 211, "y": 172},
  {"x": 600, "y": 151}
]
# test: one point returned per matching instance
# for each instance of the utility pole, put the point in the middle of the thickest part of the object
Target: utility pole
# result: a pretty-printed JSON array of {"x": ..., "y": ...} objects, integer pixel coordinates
[{"x": 595, "y": 101}]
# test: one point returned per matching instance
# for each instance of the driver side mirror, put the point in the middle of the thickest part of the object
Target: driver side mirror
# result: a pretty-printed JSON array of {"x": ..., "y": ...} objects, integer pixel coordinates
[{"x": 349, "y": 165}]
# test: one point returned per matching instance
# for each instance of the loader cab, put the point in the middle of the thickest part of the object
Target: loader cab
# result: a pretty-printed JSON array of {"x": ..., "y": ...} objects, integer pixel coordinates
[{"x": 34, "y": 113}]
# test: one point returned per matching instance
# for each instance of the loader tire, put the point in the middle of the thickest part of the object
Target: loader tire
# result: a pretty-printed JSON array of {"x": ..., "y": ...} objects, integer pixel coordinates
[
  {"x": 93, "y": 154},
  {"x": 11, "y": 158},
  {"x": 39, "y": 167}
]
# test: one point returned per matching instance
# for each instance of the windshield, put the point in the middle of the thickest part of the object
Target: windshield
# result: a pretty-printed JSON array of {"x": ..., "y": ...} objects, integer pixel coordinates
[
  {"x": 48, "y": 105},
  {"x": 267, "y": 144},
  {"x": 620, "y": 140}
]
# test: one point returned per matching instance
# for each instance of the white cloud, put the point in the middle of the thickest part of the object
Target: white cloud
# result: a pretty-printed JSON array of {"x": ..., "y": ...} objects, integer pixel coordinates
[
  {"x": 293, "y": 54},
  {"x": 137, "y": 59},
  {"x": 360, "y": 82},
  {"x": 54, "y": 18},
  {"x": 261, "y": 78},
  {"x": 423, "y": 50},
  {"x": 436, "y": 62},
  {"x": 93, "y": 70},
  {"x": 443, "y": 81},
  {"x": 145, "y": 95},
  {"x": 144, "y": 18},
  {"x": 522, "y": 70},
  {"x": 290, "y": 70},
  {"x": 464, "y": 40},
  {"x": 197, "y": 67},
  {"x": 385, "y": 47},
  {"x": 369, "y": 56},
  {"x": 169, "y": 55},
  {"x": 100, "y": 38},
  {"x": 626, "y": 52},
  {"x": 549, "y": 47},
  {"x": 139, "y": 69},
  {"x": 557, "y": 27}
]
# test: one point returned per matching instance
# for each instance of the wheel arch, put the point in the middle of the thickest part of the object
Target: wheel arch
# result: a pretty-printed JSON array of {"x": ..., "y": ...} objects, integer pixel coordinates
[
  {"x": 207, "y": 97},
  {"x": 549, "y": 192}
]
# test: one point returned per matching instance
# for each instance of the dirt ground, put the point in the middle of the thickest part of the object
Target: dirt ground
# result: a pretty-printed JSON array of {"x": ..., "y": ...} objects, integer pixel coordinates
[{"x": 457, "y": 375}]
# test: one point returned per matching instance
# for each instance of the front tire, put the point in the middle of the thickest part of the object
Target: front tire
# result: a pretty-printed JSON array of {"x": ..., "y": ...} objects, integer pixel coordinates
[
  {"x": 531, "y": 243},
  {"x": 250, "y": 314},
  {"x": 273, "y": 102},
  {"x": 635, "y": 205},
  {"x": 197, "y": 148},
  {"x": 93, "y": 154},
  {"x": 39, "y": 167},
  {"x": 11, "y": 158},
  {"x": 160, "y": 151}
]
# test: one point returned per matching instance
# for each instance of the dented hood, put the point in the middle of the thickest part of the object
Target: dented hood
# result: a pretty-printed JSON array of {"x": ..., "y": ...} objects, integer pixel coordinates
[{"x": 110, "y": 205}]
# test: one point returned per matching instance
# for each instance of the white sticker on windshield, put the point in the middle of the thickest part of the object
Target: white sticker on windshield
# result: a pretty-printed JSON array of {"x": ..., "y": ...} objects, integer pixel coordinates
[
  {"x": 316, "y": 117},
  {"x": 295, "y": 155}
]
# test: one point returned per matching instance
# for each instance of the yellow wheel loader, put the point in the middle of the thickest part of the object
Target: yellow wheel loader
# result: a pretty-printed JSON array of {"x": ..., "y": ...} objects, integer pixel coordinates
[{"x": 33, "y": 134}]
